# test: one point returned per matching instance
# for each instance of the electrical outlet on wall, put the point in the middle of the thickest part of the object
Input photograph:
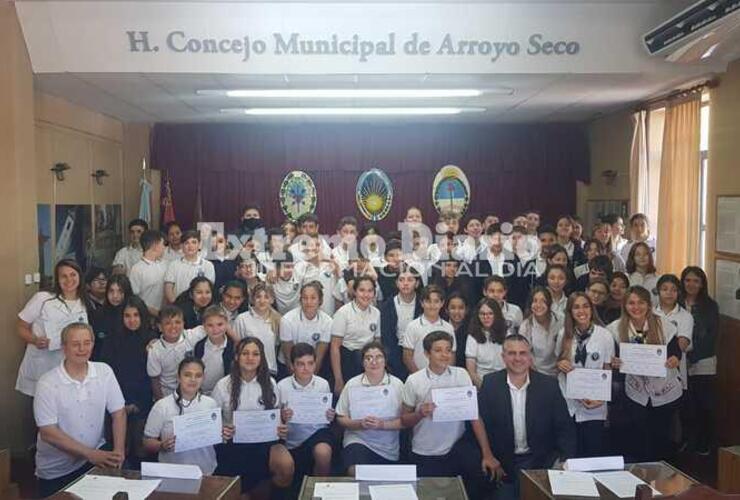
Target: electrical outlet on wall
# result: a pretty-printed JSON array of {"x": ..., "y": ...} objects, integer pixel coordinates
[{"x": 28, "y": 279}]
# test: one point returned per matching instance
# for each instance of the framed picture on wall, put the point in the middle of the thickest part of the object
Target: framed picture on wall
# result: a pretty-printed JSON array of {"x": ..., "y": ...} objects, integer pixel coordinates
[
  {"x": 46, "y": 258},
  {"x": 728, "y": 224},
  {"x": 73, "y": 225},
  {"x": 108, "y": 235},
  {"x": 596, "y": 209}
]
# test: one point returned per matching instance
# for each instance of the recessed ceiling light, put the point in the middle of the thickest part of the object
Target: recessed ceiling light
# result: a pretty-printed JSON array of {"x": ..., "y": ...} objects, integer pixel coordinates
[
  {"x": 353, "y": 93},
  {"x": 350, "y": 111}
]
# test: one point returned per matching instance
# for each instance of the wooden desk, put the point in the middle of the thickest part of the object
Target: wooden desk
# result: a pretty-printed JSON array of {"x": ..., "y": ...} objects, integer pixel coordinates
[
  {"x": 427, "y": 488},
  {"x": 728, "y": 470},
  {"x": 210, "y": 488},
  {"x": 660, "y": 475}
]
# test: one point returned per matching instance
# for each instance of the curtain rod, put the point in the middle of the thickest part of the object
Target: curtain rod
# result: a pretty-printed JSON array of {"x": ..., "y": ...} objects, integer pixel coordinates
[{"x": 676, "y": 94}]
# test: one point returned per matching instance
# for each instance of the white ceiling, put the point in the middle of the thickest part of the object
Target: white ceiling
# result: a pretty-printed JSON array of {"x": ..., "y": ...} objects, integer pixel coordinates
[{"x": 139, "y": 97}]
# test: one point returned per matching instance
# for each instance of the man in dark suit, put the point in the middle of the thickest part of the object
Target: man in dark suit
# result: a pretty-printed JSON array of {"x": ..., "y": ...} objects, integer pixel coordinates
[{"x": 525, "y": 416}]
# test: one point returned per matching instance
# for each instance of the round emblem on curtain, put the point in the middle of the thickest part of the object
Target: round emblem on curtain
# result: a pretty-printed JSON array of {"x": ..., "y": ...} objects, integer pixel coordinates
[
  {"x": 297, "y": 195},
  {"x": 451, "y": 190},
  {"x": 374, "y": 194}
]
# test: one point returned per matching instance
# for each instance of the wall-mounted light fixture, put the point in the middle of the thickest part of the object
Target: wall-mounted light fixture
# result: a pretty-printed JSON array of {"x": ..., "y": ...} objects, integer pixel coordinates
[
  {"x": 610, "y": 177},
  {"x": 59, "y": 169},
  {"x": 99, "y": 174}
]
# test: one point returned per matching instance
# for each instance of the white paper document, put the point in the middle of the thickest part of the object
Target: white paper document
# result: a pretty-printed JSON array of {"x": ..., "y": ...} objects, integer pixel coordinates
[
  {"x": 256, "y": 426},
  {"x": 309, "y": 407},
  {"x": 622, "y": 483},
  {"x": 373, "y": 401},
  {"x": 454, "y": 404},
  {"x": 572, "y": 484},
  {"x": 197, "y": 429},
  {"x": 401, "y": 473},
  {"x": 176, "y": 471},
  {"x": 392, "y": 492},
  {"x": 595, "y": 463},
  {"x": 337, "y": 491},
  {"x": 643, "y": 359},
  {"x": 585, "y": 383},
  {"x": 104, "y": 487}
]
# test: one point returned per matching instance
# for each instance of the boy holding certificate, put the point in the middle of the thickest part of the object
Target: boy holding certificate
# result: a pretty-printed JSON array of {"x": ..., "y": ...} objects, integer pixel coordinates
[
  {"x": 308, "y": 412},
  {"x": 439, "y": 448},
  {"x": 584, "y": 344}
]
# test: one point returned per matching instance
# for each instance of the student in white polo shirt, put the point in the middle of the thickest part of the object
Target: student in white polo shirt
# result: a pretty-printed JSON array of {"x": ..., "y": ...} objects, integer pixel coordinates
[
  {"x": 441, "y": 448},
  {"x": 69, "y": 408},
  {"x": 668, "y": 308},
  {"x": 216, "y": 350},
  {"x": 584, "y": 343},
  {"x": 307, "y": 324},
  {"x": 541, "y": 328},
  {"x": 432, "y": 300},
  {"x": 309, "y": 444},
  {"x": 147, "y": 275},
  {"x": 166, "y": 352},
  {"x": 486, "y": 335},
  {"x": 496, "y": 288},
  {"x": 129, "y": 255},
  {"x": 263, "y": 322},
  {"x": 641, "y": 269},
  {"x": 371, "y": 439},
  {"x": 285, "y": 285},
  {"x": 182, "y": 271},
  {"x": 354, "y": 325},
  {"x": 41, "y": 321},
  {"x": 159, "y": 433}
]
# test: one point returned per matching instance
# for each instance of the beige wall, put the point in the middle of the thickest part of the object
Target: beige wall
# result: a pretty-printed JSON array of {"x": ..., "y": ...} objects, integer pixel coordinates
[
  {"x": 723, "y": 163},
  {"x": 36, "y": 131},
  {"x": 610, "y": 139}
]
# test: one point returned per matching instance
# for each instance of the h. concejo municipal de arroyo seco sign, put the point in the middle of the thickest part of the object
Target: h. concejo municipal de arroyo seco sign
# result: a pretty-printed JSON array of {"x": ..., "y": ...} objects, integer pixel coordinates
[{"x": 352, "y": 46}]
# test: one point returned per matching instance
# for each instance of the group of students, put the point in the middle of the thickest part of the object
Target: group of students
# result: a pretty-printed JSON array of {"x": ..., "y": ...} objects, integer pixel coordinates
[{"x": 246, "y": 334}]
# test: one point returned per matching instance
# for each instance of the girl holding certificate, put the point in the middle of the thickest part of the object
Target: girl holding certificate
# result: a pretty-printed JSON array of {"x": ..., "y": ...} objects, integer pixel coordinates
[
  {"x": 159, "y": 433},
  {"x": 541, "y": 328},
  {"x": 249, "y": 387},
  {"x": 584, "y": 343},
  {"x": 369, "y": 410},
  {"x": 41, "y": 322},
  {"x": 651, "y": 401}
]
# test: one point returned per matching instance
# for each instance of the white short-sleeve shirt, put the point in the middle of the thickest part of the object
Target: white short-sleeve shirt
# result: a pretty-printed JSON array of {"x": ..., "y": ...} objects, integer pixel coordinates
[
  {"x": 127, "y": 257},
  {"x": 305, "y": 272},
  {"x": 295, "y": 327},
  {"x": 213, "y": 359},
  {"x": 182, "y": 271},
  {"x": 287, "y": 294},
  {"x": 250, "y": 324},
  {"x": 159, "y": 425},
  {"x": 250, "y": 397},
  {"x": 542, "y": 340},
  {"x": 487, "y": 356},
  {"x": 405, "y": 314},
  {"x": 434, "y": 438},
  {"x": 383, "y": 442},
  {"x": 513, "y": 317},
  {"x": 298, "y": 433},
  {"x": 77, "y": 409},
  {"x": 147, "y": 281},
  {"x": 415, "y": 333},
  {"x": 599, "y": 350},
  {"x": 684, "y": 323},
  {"x": 47, "y": 316},
  {"x": 164, "y": 357},
  {"x": 354, "y": 326}
]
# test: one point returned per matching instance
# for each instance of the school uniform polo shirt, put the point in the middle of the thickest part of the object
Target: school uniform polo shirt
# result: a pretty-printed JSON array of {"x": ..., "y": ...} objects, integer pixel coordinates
[
  {"x": 415, "y": 333},
  {"x": 251, "y": 324},
  {"x": 181, "y": 272},
  {"x": 405, "y": 313},
  {"x": 147, "y": 281},
  {"x": 559, "y": 305},
  {"x": 159, "y": 425},
  {"x": 334, "y": 288},
  {"x": 383, "y": 442},
  {"x": 214, "y": 364},
  {"x": 127, "y": 257},
  {"x": 78, "y": 409},
  {"x": 542, "y": 340},
  {"x": 295, "y": 327},
  {"x": 249, "y": 398},
  {"x": 164, "y": 357},
  {"x": 513, "y": 317},
  {"x": 487, "y": 356},
  {"x": 287, "y": 294},
  {"x": 299, "y": 433},
  {"x": 684, "y": 323},
  {"x": 354, "y": 326},
  {"x": 649, "y": 282},
  {"x": 599, "y": 350},
  {"x": 434, "y": 438},
  {"x": 497, "y": 263},
  {"x": 170, "y": 254}
]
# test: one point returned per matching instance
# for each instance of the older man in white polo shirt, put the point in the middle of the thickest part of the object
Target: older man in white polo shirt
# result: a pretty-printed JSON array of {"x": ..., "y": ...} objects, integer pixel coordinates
[{"x": 69, "y": 408}]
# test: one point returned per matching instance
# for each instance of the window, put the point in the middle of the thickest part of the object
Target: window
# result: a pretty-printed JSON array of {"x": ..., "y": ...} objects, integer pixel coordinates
[{"x": 703, "y": 159}]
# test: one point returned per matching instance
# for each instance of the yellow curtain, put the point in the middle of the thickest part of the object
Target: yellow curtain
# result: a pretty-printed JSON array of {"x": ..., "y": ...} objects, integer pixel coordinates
[{"x": 678, "y": 201}]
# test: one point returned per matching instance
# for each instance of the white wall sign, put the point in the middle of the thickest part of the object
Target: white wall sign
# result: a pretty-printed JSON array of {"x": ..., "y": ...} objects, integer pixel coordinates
[{"x": 269, "y": 38}]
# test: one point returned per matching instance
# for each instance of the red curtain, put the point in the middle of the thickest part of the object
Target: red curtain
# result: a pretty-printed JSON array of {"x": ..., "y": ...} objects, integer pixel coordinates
[{"x": 510, "y": 168}]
